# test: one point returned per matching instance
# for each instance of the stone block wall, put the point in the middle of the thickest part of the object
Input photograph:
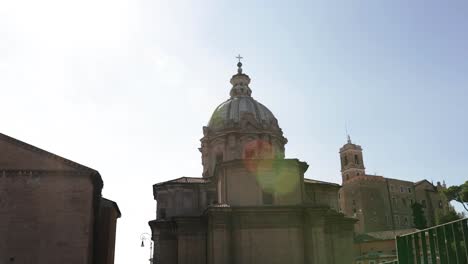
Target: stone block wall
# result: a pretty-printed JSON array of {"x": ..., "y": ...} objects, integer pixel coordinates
[{"x": 48, "y": 215}]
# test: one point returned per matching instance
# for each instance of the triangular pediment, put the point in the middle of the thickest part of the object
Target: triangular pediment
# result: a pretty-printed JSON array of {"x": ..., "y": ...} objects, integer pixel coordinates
[
  {"x": 18, "y": 155},
  {"x": 424, "y": 184}
]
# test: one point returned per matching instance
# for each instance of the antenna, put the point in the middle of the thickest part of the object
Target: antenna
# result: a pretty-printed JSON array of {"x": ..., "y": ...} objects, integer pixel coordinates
[
  {"x": 347, "y": 133},
  {"x": 346, "y": 127}
]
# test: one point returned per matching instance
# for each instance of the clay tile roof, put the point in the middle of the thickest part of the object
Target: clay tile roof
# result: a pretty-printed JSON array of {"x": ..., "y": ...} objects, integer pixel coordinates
[
  {"x": 320, "y": 182},
  {"x": 383, "y": 235},
  {"x": 189, "y": 180},
  {"x": 185, "y": 180},
  {"x": 422, "y": 181}
]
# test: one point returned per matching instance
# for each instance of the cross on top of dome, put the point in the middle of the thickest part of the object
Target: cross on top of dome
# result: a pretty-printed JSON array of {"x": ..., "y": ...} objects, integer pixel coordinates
[{"x": 239, "y": 64}]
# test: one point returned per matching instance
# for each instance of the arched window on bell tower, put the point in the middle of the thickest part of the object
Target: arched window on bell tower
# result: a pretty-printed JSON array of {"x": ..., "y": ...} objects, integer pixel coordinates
[{"x": 352, "y": 163}]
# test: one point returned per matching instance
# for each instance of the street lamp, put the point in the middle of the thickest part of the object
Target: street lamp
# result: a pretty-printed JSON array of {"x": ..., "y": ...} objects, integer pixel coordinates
[{"x": 146, "y": 236}]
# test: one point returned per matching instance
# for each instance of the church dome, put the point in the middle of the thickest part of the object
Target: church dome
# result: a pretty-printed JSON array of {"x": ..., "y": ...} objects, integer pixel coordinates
[
  {"x": 230, "y": 112},
  {"x": 241, "y": 106},
  {"x": 240, "y": 128}
]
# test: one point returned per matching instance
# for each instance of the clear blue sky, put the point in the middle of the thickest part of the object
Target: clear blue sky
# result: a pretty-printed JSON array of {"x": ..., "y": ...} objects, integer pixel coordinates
[{"x": 125, "y": 86}]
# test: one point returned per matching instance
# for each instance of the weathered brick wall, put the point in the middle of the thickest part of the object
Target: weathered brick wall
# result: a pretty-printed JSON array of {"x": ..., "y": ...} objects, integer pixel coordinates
[
  {"x": 366, "y": 198},
  {"x": 45, "y": 217},
  {"x": 106, "y": 227}
]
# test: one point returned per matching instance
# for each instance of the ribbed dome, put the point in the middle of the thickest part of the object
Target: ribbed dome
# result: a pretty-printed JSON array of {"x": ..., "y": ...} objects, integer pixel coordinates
[
  {"x": 242, "y": 106},
  {"x": 229, "y": 113}
]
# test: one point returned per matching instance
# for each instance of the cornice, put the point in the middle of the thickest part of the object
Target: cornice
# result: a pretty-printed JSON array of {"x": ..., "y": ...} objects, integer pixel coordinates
[
  {"x": 95, "y": 176},
  {"x": 19, "y": 172},
  {"x": 236, "y": 162},
  {"x": 351, "y": 146},
  {"x": 240, "y": 131}
]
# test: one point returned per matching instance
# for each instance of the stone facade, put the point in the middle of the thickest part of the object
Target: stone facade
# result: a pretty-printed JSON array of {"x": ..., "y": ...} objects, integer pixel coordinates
[
  {"x": 50, "y": 208},
  {"x": 251, "y": 205},
  {"x": 381, "y": 203}
]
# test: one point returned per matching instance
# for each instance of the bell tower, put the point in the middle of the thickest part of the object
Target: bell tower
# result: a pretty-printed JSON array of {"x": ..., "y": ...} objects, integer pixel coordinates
[{"x": 352, "y": 162}]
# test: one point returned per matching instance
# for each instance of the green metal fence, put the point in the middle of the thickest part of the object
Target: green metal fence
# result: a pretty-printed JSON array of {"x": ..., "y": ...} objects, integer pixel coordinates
[
  {"x": 443, "y": 244},
  {"x": 390, "y": 262}
]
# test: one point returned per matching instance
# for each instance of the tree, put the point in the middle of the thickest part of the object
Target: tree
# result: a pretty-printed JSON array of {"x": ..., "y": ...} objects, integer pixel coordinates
[
  {"x": 450, "y": 216},
  {"x": 458, "y": 193},
  {"x": 418, "y": 216}
]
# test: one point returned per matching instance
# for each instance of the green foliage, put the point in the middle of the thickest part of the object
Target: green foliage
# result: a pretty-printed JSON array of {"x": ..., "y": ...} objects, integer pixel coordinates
[
  {"x": 418, "y": 216},
  {"x": 449, "y": 217},
  {"x": 458, "y": 193}
]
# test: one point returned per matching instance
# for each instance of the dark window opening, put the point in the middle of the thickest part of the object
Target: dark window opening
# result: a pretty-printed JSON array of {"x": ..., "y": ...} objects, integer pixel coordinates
[
  {"x": 356, "y": 159},
  {"x": 211, "y": 198},
  {"x": 345, "y": 160},
  {"x": 267, "y": 197},
  {"x": 162, "y": 213},
  {"x": 219, "y": 158}
]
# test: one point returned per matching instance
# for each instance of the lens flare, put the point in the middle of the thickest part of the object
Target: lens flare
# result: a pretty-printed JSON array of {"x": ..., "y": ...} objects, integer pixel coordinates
[{"x": 272, "y": 174}]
